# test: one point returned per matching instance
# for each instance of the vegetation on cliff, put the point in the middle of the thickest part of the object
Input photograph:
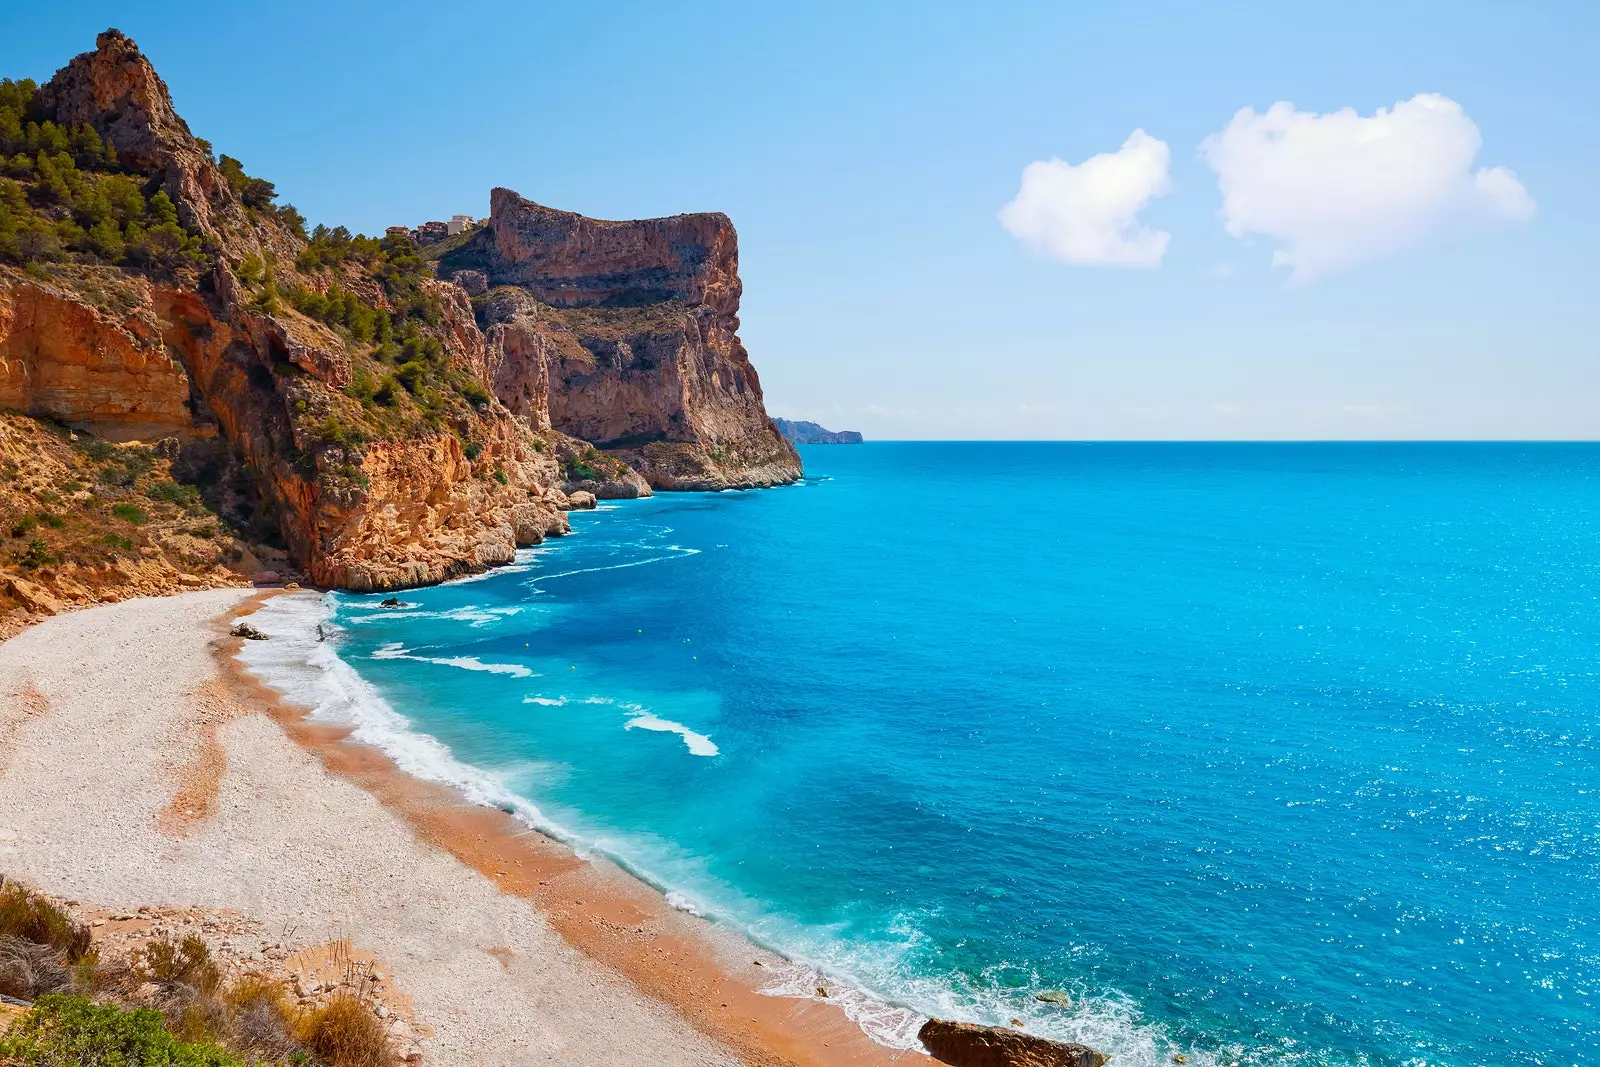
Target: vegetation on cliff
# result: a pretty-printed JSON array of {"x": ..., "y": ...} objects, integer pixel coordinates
[
  {"x": 81, "y": 518},
  {"x": 64, "y": 196},
  {"x": 391, "y": 432}
]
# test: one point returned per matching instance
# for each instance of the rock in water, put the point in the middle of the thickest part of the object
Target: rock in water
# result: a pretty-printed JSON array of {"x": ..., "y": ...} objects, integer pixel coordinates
[
  {"x": 967, "y": 1045},
  {"x": 248, "y": 632}
]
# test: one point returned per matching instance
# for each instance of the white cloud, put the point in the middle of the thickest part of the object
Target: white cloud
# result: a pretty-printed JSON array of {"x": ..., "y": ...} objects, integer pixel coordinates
[
  {"x": 1341, "y": 189},
  {"x": 1088, "y": 213}
]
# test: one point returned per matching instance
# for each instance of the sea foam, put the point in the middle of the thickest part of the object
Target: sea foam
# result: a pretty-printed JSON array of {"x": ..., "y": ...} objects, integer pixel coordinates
[
  {"x": 395, "y": 650},
  {"x": 698, "y": 743}
]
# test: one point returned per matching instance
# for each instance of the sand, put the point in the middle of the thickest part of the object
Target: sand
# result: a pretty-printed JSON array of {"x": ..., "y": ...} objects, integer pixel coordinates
[
  {"x": 85, "y": 793},
  {"x": 141, "y": 765}
]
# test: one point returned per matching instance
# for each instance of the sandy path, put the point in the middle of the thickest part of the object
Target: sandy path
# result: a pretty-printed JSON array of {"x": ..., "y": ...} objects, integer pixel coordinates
[{"x": 124, "y": 783}]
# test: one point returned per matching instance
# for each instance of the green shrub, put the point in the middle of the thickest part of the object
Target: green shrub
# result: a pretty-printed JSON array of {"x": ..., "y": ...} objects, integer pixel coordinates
[
  {"x": 62, "y": 1030},
  {"x": 36, "y": 555},
  {"x": 129, "y": 513},
  {"x": 174, "y": 493}
]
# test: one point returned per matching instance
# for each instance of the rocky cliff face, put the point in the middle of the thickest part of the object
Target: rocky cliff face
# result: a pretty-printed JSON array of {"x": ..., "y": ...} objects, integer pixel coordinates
[
  {"x": 439, "y": 482},
  {"x": 626, "y": 334},
  {"x": 390, "y": 428},
  {"x": 106, "y": 366}
]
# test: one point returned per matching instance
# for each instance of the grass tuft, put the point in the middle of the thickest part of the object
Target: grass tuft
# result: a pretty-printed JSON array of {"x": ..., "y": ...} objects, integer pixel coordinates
[{"x": 345, "y": 1033}]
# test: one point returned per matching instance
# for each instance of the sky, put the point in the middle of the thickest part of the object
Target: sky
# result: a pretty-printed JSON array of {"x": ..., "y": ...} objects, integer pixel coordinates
[{"x": 961, "y": 221}]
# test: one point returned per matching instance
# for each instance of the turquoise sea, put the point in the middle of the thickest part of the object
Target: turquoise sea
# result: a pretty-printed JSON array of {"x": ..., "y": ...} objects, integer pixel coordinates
[{"x": 1261, "y": 754}]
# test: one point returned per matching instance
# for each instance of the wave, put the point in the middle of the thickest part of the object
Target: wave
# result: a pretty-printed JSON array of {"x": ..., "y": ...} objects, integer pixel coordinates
[
  {"x": 698, "y": 743},
  {"x": 549, "y": 702},
  {"x": 617, "y": 566},
  {"x": 309, "y": 672},
  {"x": 395, "y": 650},
  {"x": 472, "y": 614},
  {"x": 878, "y": 983}
]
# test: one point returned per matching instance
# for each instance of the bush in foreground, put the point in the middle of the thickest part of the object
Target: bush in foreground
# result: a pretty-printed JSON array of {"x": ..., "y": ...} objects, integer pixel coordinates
[
  {"x": 344, "y": 1033},
  {"x": 63, "y": 1030},
  {"x": 27, "y": 916}
]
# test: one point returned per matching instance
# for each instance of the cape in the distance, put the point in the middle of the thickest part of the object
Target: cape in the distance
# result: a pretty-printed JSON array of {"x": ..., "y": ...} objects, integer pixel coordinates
[
  {"x": 809, "y": 433},
  {"x": 368, "y": 413}
]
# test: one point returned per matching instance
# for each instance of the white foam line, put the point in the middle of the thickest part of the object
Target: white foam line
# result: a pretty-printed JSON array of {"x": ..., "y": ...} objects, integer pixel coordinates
[
  {"x": 466, "y": 663},
  {"x": 471, "y": 614},
  {"x": 549, "y": 702},
  {"x": 310, "y": 673},
  {"x": 699, "y": 744},
  {"x": 617, "y": 566}
]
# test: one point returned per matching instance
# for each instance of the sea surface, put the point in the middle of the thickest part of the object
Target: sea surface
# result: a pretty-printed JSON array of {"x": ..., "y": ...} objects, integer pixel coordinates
[{"x": 1257, "y": 754}]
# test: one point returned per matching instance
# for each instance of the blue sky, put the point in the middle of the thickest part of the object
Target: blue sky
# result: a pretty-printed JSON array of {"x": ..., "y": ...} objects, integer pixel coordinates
[{"x": 865, "y": 155}]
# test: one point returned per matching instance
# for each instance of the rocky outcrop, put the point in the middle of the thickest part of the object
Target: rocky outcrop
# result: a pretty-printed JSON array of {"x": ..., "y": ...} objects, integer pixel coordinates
[
  {"x": 384, "y": 459},
  {"x": 968, "y": 1045},
  {"x": 380, "y": 515},
  {"x": 115, "y": 90},
  {"x": 809, "y": 433},
  {"x": 66, "y": 359},
  {"x": 626, "y": 334}
]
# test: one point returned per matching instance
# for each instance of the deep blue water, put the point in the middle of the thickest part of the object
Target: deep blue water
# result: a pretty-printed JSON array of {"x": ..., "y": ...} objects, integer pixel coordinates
[{"x": 1261, "y": 753}]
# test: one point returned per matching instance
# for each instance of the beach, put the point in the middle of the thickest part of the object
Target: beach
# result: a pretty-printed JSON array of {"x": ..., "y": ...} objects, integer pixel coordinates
[{"x": 140, "y": 766}]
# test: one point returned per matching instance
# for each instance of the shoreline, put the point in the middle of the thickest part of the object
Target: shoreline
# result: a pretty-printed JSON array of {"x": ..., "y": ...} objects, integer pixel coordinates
[
  {"x": 707, "y": 973},
  {"x": 139, "y": 770}
]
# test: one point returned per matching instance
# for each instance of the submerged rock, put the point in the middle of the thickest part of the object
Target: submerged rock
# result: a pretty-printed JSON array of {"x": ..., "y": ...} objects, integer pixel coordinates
[
  {"x": 968, "y": 1045},
  {"x": 389, "y": 602}
]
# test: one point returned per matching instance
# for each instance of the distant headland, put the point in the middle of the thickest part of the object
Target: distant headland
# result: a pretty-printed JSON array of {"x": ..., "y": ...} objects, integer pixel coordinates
[{"x": 809, "y": 433}]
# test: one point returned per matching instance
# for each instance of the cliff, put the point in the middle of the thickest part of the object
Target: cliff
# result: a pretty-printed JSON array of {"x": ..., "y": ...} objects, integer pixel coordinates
[
  {"x": 625, "y": 334},
  {"x": 341, "y": 380},
  {"x": 809, "y": 433},
  {"x": 323, "y": 391}
]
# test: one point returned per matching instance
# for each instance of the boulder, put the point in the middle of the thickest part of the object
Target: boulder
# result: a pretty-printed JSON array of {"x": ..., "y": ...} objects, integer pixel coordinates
[
  {"x": 265, "y": 578},
  {"x": 969, "y": 1045},
  {"x": 580, "y": 500},
  {"x": 35, "y": 598},
  {"x": 246, "y": 631}
]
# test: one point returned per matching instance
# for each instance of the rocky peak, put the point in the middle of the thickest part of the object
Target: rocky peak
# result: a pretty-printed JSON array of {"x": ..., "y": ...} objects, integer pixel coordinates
[{"x": 115, "y": 90}]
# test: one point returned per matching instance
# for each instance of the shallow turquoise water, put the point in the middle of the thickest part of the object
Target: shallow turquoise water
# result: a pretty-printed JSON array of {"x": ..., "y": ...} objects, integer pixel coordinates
[{"x": 1262, "y": 753}]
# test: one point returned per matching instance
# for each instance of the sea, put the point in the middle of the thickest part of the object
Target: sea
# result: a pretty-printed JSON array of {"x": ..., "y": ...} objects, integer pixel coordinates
[{"x": 1247, "y": 753}]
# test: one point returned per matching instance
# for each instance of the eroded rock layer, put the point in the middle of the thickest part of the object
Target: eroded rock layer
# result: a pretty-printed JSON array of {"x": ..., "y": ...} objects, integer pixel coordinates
[
  {"x": 390, "y": 428},
  {"x": 626, "y": 334}
]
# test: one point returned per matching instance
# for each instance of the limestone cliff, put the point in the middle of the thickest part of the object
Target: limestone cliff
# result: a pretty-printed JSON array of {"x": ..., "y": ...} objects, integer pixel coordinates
[
  {"x": 625, "y": 334},
  {"x": 326, "y": 391},
  {"x": 365, "y": 434}
]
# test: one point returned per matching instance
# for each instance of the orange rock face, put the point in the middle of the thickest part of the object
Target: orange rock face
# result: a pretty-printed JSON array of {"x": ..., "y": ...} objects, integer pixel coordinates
[
  {"x": 65, "y": 359},
  {"x": 624, "y": 334},
  {"x": 629, "y": 333}
]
